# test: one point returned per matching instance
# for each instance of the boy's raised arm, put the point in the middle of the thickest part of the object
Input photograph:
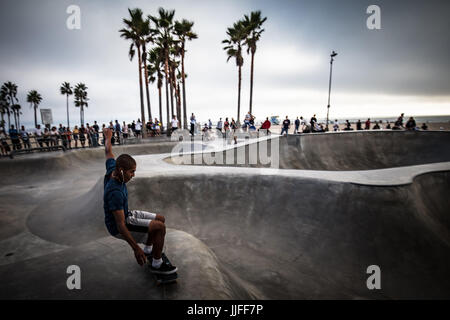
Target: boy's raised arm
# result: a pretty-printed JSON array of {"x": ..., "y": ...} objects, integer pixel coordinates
[{"x": 107, "y": 134}]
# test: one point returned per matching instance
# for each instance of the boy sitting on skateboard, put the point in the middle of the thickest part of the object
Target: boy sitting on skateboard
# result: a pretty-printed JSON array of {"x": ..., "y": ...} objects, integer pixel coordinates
[{"x": 131, "y": 226}]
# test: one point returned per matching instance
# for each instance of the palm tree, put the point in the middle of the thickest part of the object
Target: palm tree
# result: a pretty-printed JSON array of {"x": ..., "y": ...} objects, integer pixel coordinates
[
  {"x": 81, "y": 99},
  {"x": 9, "y": 94},
  {"x": 184, "y": 32},
  {"x": 253, "y": 25},
  {"x": 34, "y": 98},
  {"x": 16, "y": 111},
  {"x": 147, "y": 35},
  {"x": 174, "y": 52},
  {"x": 236, "y": 37},
  {"x": 3, "y": 109},
  {"x": 156, "y": 66},
  {"x": 164, "y": 25},
  {"x": 67, "y": 90},
  {"x": 134, "y": 32}
]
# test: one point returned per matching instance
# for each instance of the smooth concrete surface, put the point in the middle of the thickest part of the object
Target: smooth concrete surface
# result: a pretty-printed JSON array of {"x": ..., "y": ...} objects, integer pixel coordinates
[{"x": 238, "y": 232}]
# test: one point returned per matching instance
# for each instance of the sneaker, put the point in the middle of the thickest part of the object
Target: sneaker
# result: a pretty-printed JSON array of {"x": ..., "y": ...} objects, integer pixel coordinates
[{"x": 164, "y": 269}]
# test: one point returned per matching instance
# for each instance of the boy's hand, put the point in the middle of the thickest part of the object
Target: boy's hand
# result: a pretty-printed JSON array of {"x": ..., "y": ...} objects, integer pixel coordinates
[{"x": 140, "y": 256}]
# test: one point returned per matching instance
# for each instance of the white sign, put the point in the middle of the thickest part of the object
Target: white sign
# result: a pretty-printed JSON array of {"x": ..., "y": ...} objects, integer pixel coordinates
[{"x": 46, "y": 116}]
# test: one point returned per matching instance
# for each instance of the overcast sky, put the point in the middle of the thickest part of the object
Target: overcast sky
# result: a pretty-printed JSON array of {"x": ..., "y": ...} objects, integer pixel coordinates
[{"x": 404, "y": 67}]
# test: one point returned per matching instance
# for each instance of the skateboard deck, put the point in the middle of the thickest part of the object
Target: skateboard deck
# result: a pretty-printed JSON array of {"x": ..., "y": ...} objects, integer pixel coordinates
[{"x": 162, "y": 278}]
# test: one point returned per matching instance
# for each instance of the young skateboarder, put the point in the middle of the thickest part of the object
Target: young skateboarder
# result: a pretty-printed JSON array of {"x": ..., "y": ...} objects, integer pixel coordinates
[{"x": 131, "y": 226}]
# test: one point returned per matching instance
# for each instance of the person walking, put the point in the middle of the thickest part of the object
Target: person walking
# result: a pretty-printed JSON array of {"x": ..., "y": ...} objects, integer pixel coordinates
[
  {"x": 285, "y": 126},
  {"x": 193, "y": 123}
]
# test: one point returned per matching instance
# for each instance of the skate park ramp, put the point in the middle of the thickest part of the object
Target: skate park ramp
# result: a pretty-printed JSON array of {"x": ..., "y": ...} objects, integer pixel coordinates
[
  {"x": 235, "y": 232},
  {"x": 360, "y": 150}
]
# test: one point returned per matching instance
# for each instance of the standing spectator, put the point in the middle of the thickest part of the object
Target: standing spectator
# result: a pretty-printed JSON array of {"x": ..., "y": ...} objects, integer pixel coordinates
[
  {"x": 247, "y": 119},
  {"x": 219, "y": 125},
  {"x": 193, "y": 123},
  {"x": 76, "y": 135},
  {"x": 25, "y": 138},
  {"x": 47, "y": 139},
  {"x": 96, "y": 133},
  {"x": 117, "y": 131},
  {"x": 14, "y": 136},
  {"x": 125, "y": 131},
  {"x": 133, "y": 128},
  {"x": 38, "y": 135},
  {"x": 411, "y": 124},
  {"x": 69, "y": 137},
  {"x": 359, "y": 125},
  {"x": 157, "y": 127},
  {"x": 302, "y": 123},
  {"x": 149, "y": 126},
  {"x": 174, "y": 124},
  {"x": 226, "y": 125},
  {"x": 4, "y": 144},
  {"x": 388, "y": 125},
  {"x": 64, "y": 137},
  {"x": 138, "y": 127},
  {"x": 297, "y": 125},
  {"x": 60, "y": 133},
  {"x": 54, "y": 136},
  {"x": 89, "y": 134},
  {"x": 367, "y": 127},
  {"x": 266, "y": 126},
  {"x": 313, "y": 121},
  {"x": 234, "y": 127},
  {"x": 336, "y": 125},
  {"x": 82, "y": 135},
  {"x": 286, "y": 124},
  {"x": 399, "y": 122}
]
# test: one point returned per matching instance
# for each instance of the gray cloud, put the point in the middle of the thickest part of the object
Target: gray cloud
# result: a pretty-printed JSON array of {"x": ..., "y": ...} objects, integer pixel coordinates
[{"x": 407, "y": 57}]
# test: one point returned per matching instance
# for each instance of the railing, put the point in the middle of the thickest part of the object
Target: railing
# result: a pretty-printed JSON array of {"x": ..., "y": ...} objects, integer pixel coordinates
[{"x": 61, "y": 142}]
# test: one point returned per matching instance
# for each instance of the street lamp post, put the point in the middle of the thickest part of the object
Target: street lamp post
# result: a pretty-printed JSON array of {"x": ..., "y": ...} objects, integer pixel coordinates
[{"x": 332, "y": 55}]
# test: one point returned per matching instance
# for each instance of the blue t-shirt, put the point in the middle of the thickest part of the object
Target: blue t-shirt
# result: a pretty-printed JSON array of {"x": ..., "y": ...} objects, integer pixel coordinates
[{"x": 115, "y": 197}]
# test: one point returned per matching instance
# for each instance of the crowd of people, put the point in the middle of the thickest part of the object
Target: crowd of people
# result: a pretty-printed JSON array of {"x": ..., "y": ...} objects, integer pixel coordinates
[
  {"x": 77, "y": 137},
  {"x": 301, "y": 125},
  {"x": 89, "y": 135}
]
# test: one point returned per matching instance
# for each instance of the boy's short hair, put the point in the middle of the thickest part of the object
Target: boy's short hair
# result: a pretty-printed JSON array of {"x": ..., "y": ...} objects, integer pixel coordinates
[{"x": 125, "y": 162}]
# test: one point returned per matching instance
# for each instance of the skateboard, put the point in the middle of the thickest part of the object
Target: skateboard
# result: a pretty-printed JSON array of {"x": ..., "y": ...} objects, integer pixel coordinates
[{"x": 162, "y": 278}]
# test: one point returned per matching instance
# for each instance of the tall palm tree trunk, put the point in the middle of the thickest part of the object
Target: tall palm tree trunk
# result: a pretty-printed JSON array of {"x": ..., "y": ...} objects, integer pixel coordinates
[
  {"x": 166, "y": 71},
  {"x": 239, "y": 95},
  {"x": 184, "y": 89},
  {"x": 178, "y": 97},
  {"x": 171, "y": 91},
  {"x": 15, "y": 118},
  {"x": 146, "y": 87},
  {"x": 9, "y": 118},
  {"x": 141, "y": 93},
  {"x": 160, "y": 103},
  {"x": 68, "y": 124},
  {"x": 251, "y": 83},
  {"x": 35, "y": 115}
]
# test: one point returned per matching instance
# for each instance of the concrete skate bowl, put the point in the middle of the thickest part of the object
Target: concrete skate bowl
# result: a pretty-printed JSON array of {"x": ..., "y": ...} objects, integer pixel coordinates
[
  {"x": 297, "y": 238},
  {"x": 365, "y": 150}
]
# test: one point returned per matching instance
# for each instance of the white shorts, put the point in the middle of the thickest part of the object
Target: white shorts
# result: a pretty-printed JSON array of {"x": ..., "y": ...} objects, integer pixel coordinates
[{"x": 137, "y": 223}]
